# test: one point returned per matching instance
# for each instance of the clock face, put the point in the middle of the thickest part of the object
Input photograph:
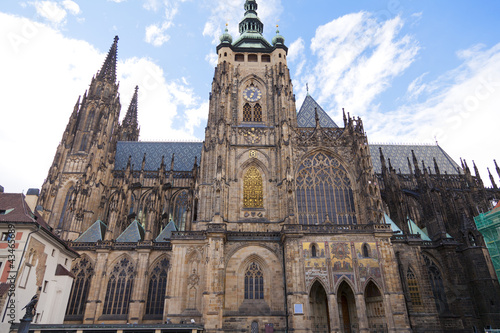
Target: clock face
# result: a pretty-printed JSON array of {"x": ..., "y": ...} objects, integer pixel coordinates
[{"x": 252, "y": 94}]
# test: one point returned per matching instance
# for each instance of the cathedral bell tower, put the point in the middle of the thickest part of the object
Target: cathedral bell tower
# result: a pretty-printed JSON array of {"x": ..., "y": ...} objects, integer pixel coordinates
[
  {"x": 85, "y": 156},
  {"x": 246, "y": 149}
]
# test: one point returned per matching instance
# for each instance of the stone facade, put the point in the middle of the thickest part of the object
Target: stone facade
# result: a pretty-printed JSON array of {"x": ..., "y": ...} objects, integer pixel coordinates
[{"x": 264, "y": 224}]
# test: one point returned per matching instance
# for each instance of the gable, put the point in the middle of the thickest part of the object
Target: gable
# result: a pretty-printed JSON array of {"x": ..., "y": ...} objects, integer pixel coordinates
[{"x": 307, "y": 114}]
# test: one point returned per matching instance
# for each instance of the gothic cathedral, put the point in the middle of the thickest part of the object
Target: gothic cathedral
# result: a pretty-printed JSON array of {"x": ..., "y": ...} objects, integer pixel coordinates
[{"x": 278, "y": 221}]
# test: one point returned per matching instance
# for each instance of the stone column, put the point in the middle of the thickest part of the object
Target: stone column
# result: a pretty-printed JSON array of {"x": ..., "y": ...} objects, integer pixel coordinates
[
  {"x": 96, "y": 297},
  {"x": 333, "y": 310},
  {"x": 361, "y": 313},
  {"x": 138, "y": 290},
  {"x": 213, "y": 299}
]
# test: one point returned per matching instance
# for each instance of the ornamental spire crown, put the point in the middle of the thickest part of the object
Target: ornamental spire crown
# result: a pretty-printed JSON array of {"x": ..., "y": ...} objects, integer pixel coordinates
[
  {"x": 108, "y": 70},
  {"x": 251, "y": 22}
]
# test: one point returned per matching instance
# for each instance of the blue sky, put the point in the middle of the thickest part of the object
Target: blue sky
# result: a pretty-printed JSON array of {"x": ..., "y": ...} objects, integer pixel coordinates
[{"x": 415, "y": 71}]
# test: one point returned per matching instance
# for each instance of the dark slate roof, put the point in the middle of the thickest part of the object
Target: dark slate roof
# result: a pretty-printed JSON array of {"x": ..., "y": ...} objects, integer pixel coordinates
[
  {"x": 133, "y": 234},
  {"x": 61, "y": 271},
  {"x": 33, "y": 191},
  {"x": 94, "y": 233},
  {"x": 399, "y": 153},
  {"x": 307, "y": 117},
  {"x": 166, "y": 233},
  {"x": 17, "y": 211},
  {"x": 185, "y": 153}
]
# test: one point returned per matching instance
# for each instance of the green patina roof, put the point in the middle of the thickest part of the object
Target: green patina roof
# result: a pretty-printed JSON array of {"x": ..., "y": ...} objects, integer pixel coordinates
[
  {"x": 414, "y": 229},
  {"x": 394, "y": 226}
]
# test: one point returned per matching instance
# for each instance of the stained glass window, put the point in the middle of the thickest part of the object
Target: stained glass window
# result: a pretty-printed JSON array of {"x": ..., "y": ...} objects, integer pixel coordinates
[
  {"x": 257, "y": 113},
  {"x": 157, "y": 289},
  {"x": 247, "y": 112},
  {"x": 413, "y": 288},
  {"x": 254, "y": 282},
  {"x": 83, "y": 272},
  {"x": 119, "y": 289},
  {"x": 324, "y": 192},
  {"x": 253, "y": 195}
]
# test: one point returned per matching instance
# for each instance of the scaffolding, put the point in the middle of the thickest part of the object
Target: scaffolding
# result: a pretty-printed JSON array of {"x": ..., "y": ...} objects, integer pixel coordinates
[{"x": 488, "y": 225}]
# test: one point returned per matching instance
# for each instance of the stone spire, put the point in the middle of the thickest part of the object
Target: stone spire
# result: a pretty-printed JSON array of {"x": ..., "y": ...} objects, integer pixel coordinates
[
  {"x": 108, "y": 70},
  {"x": 130, "y": 125}
]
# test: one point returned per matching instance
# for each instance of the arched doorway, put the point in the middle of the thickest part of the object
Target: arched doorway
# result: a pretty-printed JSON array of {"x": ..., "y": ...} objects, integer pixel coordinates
[
  {"x": 318, "y": 303},
  {"x": 347, "y": 308},
  {"x": 375, "y": 308}
]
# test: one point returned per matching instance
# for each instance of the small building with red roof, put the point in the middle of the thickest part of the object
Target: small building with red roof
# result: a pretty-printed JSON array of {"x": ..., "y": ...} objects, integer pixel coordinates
[{"x": 33, "y": 261}]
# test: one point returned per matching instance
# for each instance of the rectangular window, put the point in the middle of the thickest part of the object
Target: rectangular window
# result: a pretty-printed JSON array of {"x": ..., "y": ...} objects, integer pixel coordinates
[
  {"x": 266, "y": 58},
  {"x": 252, "y": 58},
  {"x": 7, "y": 236},
  {"x": 24, "y": 276},
  {"x": 239, "y": 57}
]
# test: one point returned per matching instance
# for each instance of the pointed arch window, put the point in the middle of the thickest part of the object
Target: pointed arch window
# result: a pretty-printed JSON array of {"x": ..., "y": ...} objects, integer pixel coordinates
[
  {"x": 324, "y": 191},
  {"x": 119, "y": 289},
  {"x": 257, "y": 113},
  {"x": 90, "y": 120},
  {"x": 180, "y": 210},
  {"x": 157, "y": 289},
  {"x": 83, "y": 272},
  {"x": 132, "y": 204},
  {"x": 254, "y": 282},
  {"x": 314, "y": 253},
  {"x": 83, "y": 143},
  {"x": 437, "y": 285},
  {"x": 65, "y": 207},
  {"x": 252, "y": 113},
  {"x": 366, "y": 251},
  {"x": 253, "y": 194},
  {"x": 247, "y": 112},
  {"x": 413, "y": 289}
]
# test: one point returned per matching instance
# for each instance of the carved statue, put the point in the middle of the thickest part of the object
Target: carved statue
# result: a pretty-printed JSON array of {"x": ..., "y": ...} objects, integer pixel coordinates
[{"x": 30, "y": 307}]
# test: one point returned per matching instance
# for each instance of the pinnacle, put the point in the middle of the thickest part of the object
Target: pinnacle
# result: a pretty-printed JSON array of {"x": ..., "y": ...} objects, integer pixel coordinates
[
  {"x": 131, "y": 116},
  {"x": 108, "y": 70}
]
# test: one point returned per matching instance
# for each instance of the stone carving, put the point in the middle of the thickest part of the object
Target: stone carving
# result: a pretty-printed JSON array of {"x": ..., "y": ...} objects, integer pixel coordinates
[{"x": 252, "y": 135}]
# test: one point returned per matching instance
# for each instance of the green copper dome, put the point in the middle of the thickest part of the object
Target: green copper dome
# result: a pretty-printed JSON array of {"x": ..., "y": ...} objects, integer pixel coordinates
[
  {"x": 226, "y": 37},
  {"x": 278, "y": 39}
]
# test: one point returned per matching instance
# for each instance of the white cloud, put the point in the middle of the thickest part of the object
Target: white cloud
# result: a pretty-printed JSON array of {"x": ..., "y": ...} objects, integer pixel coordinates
[
  {"x": 56, "y": 12},
  {"x": 155, "y": 34},
  {"x": 357, "y": 57},
  {"x": 212, "y": 58},
  {"x": 153, "y": 5},
  {"x": 60, "y": 70},
  {"x": 416, "y": 87},
  {"x": 71, "y": 6},
  {"x": 296, "y": 50},
  {"x": 460, "y": 110},
  {"x": 50, "y": 10}
]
